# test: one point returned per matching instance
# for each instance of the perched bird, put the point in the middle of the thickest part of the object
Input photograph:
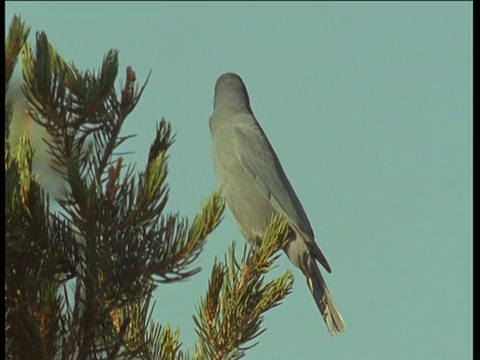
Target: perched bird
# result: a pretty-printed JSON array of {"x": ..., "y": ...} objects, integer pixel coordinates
[{"x": 256, "y": 187}]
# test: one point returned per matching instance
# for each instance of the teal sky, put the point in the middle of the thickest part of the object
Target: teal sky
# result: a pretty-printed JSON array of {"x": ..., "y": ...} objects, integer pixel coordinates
[{"x": 369, "y": 107}]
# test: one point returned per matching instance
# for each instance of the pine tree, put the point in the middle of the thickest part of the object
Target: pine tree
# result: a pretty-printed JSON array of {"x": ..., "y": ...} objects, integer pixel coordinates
[{"x": 79, "y": 280}]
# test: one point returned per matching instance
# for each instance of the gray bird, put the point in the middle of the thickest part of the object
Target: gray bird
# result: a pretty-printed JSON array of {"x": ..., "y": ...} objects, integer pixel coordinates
[{"x": 256, "y": 187}]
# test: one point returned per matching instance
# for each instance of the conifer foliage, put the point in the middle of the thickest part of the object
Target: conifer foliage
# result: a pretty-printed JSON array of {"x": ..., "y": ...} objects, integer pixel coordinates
[{"x": 79, "y": 280}]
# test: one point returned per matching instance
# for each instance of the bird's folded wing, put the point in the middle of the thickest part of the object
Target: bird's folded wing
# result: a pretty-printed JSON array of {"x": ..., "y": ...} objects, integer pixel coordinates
[
  {"x": 262, "y": 164},
  {"x": 259, "y": 163}
]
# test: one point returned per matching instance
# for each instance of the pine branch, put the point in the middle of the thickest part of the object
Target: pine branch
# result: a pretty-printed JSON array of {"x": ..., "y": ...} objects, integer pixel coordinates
[
  {"x": 16, "y": 39},
  {"x": 158, "y": 343},
  {"x": 35, "y": 244},
  {"x": 179, "y": 245},
  {"x": 17, "y": 36},
  {"x": 229, "y": 318}
]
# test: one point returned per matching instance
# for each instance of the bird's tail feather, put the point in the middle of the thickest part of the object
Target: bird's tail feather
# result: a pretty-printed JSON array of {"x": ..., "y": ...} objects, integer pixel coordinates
[{"x": 323, "y": 298}]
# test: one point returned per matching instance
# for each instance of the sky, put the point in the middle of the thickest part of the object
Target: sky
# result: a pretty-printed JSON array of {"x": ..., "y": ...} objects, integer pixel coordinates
[{"x": 369, "y": 108}]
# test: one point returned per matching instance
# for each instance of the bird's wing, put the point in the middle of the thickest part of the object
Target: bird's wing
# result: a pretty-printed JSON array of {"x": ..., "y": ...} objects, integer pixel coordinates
[
  {"x": 259, "y": 162},
  {"x": 265, "y": 168}
]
